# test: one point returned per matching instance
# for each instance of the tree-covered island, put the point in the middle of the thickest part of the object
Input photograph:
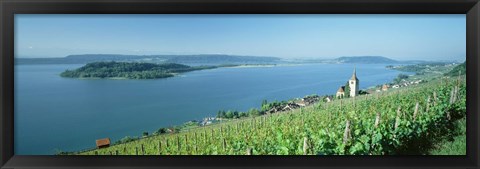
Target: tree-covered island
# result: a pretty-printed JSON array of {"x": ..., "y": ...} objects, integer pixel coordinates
[{"x": 132, "y": 70}]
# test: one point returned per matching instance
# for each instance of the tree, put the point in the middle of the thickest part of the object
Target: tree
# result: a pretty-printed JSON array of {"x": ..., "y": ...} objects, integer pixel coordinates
[
  {"x": 229, "y": 114},
  {"x": 222, "y": 114},
  {"x": 243, "y": 114},
  {"x": 403, "y": 76},
  {"x": 347, "y": 90},
  {"x": 253, "y": 112},
  {"x": 145, "y": 134},
  {"x": 400, "y": 77},
  {"x": 235, "y": 114},
  {"x": 162, "y": 130},
  {"x": 125, "y": 139},
  {"x": 266, "y": 106},
  {"x": 362, "y": 92},
  {"x": 264, "y": 102}
]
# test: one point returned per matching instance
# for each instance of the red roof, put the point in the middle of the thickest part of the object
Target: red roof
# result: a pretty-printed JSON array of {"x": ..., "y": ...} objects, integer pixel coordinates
[
  {"x": 384, "y": 87},
  {"x": 103, "y": 142}
]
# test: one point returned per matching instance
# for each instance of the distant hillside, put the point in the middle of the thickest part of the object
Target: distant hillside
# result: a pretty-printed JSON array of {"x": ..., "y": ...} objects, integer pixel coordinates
[
  {"x": 207, "y": 59},
  {"x": 462, "y": 68},
  {"x": 374, "y": 60},
  {"x": 223, "y": 59},
  {"x": 365, "y": 59},
  {"x": 181, "y": 59}
]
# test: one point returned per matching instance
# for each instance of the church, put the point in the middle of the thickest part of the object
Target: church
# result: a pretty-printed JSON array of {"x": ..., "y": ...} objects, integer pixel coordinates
[{"x": 353, "y": 85}]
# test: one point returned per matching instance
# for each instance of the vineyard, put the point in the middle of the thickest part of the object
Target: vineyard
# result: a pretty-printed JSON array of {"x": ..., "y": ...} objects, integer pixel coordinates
[{"x": 403, "y": 121}]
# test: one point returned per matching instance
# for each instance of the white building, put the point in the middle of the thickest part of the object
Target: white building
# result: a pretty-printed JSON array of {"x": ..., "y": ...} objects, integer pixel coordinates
[{"x": 353, "y": 83}]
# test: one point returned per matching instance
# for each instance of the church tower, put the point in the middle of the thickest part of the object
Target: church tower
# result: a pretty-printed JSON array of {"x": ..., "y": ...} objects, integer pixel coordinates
[{"x": 353, "y": 84}]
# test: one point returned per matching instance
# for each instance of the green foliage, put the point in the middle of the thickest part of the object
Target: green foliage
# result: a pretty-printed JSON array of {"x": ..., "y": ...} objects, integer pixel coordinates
[
  {"x": 362, "y": 92},
  {"x": 243, "y": 114},
  {"x": 347, "y": 90},
  {"x": 254, "y": 112},
  {"x": 454, "y": 145},
  {"x": 399, "y": 131},
  {"x": 221, "y": 114},
  {"x": 230, "y": 114},
  {"x": 460, "y": 69},
  {"x": 126, "y": 139},
  {"x": 400, "y": 77},
  {"x": 417, "y": 68},
  {"x": 129, "y": 70},
  {"x": 264, "y": 102},
  {"x": 161, "y": 131}
]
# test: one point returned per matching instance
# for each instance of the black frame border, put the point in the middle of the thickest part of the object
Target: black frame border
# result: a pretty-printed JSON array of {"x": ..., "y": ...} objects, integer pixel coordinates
[{"x": 10, "y": 7}]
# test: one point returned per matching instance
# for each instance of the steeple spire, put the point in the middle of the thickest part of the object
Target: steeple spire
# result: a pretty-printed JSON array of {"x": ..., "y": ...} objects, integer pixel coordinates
[{"x": 354, "y": 75}]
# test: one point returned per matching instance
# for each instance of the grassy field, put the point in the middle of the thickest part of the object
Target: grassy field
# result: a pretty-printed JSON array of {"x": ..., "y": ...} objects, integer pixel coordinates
[{"x": 454, "y": 144}]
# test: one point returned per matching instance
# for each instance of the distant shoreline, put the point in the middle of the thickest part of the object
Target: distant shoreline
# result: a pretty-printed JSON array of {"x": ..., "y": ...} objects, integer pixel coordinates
[{"x": 253, "y": 65}]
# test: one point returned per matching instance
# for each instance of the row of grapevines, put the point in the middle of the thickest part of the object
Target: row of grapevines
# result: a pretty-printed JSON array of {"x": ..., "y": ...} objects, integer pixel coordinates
[{"x": 403, "y": 121}]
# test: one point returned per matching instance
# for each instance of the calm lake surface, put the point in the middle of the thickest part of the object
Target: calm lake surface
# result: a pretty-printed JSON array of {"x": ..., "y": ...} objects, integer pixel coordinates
[{"x": 54, "y": 113}]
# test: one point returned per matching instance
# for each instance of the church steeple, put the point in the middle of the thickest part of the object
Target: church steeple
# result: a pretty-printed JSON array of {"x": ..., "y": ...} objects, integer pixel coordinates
[
  {"x": 353, "y": 84},
  {"x": 354, "y": 75}
]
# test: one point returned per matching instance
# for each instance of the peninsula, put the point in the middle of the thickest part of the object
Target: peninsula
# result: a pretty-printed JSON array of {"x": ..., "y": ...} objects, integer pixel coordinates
[{"x": 132, "y": 70}]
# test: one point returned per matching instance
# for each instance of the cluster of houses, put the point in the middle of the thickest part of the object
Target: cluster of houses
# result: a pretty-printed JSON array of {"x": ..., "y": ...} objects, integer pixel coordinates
[
  {"x": 385, "y": 87},
  {"x": 308, "y": 100},
  {"x": 406, "y": 84},
  {"x": 208, "y": 121}
]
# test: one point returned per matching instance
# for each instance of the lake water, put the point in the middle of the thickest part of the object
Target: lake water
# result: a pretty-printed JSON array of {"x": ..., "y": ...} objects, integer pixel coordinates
[{"x": 54, "y": 113}]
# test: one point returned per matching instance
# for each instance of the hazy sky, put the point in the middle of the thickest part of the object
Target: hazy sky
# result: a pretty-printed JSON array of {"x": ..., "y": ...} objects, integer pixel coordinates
[{"x": 402, "y": 37}]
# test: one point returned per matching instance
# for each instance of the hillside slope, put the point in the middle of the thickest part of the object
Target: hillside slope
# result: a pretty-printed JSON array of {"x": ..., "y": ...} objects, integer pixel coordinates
[
  {"x": 404, "y": 121},
  {"x": 460, "y": 69},
  {"x": 365, "y": 59}
]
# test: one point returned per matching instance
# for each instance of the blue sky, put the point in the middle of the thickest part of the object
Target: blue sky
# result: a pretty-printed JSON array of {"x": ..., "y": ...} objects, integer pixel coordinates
[{"x": 402, "y": 37}]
